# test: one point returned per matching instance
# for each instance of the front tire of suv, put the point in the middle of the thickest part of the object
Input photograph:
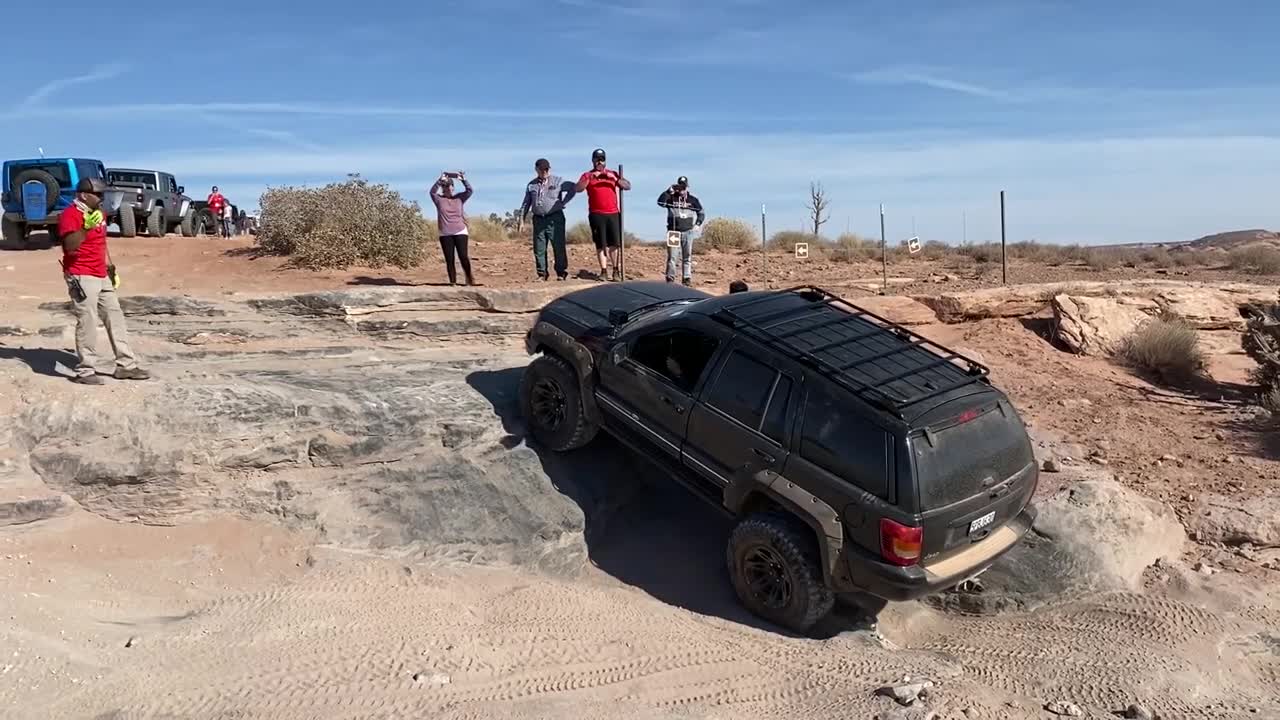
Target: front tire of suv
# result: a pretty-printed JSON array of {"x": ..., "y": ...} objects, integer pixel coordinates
[
  {"x": 127, "y": 222},
  {"x": 188, "y": 224},
  {"x": 775, "y": 570},
  {"x": 551, "y": 403}
]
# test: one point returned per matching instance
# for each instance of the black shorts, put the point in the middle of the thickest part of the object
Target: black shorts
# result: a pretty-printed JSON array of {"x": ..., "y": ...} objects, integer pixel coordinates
[{"x": 606, "y": 230}]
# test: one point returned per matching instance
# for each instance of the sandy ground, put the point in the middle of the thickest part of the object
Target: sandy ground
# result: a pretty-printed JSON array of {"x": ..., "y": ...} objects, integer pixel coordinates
[{"x": 237, "y": 618}]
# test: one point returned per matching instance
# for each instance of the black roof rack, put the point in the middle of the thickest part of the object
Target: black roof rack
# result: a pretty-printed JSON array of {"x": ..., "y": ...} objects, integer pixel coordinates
[{"x": 877, "y": 359}]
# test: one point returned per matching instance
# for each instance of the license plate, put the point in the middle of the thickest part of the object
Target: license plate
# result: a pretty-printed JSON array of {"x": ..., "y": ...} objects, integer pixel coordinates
[{"x": 982, "y": 522}]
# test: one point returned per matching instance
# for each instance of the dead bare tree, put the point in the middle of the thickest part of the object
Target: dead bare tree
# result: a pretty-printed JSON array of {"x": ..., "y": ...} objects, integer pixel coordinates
[{"x": 819, "y": 207}]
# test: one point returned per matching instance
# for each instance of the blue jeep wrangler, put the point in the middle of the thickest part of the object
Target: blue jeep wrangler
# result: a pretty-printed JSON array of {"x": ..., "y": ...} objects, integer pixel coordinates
[{"x": 37, "y": 191}]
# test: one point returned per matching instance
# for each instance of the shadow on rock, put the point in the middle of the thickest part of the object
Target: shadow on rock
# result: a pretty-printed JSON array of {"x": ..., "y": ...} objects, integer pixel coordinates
[
  {"x": 641, "y": 527},
  {"x": 42, "y": 361}
]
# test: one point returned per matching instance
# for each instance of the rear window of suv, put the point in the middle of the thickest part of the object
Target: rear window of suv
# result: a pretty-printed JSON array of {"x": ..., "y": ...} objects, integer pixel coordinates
[
  {"x": 962, "y": 459},
  {"x": 147, "y": 180},
  {"x": 836, "y": 438}
]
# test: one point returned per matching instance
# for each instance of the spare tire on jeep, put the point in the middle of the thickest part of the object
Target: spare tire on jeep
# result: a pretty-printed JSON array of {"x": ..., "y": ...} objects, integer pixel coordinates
[{"x": 51, "y": 189}]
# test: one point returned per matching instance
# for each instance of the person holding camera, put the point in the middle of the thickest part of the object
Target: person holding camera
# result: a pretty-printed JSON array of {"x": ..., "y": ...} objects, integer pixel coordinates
[
  {"x": 604, "y": 213},
  {"x": 451, "y": 221},
  {"x": 684, "y": 218},
  {"x": 91, "y": 281}
]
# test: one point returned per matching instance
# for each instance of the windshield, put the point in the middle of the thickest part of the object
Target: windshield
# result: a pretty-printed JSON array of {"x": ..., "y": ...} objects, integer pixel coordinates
[
  {"x": 957, "y": 462},
  {"x": 647, "y": 314},
  {"x": 147, "y": 180}
]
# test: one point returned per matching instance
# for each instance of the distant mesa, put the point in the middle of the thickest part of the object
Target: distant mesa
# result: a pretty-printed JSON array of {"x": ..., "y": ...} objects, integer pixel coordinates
[{"x": 1234, "y": 239}]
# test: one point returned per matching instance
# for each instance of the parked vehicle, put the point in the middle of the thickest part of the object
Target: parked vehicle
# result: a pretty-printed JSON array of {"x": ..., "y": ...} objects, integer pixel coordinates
[
  {"x": 153, "y": 198},
  {"x": 857, "y": 456},
  {"x": 206, "y": 222},
  {"x": 36, "y": 191}
]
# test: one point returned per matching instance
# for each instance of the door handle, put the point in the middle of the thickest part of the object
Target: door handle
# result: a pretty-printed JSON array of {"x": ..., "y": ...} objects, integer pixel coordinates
[
  {"x": 763, "y": 455},
  {"x": 679, "y": 410}
]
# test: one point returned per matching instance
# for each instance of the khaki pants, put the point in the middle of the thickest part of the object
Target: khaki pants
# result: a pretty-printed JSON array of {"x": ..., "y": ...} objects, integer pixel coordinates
[{"x": 102, "y": 302}]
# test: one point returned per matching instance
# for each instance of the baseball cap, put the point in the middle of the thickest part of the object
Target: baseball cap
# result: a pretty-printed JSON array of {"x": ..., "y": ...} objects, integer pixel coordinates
[
  {"x": 682, "y": 181},
  {"x": 597, "y": 154},
  {"x": 542, "y": 164},
  {"x": 95, "y": 186}
]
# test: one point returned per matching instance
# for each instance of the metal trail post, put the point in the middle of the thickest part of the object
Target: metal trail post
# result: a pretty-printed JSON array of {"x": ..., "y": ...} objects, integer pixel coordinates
[
  {"x": 764, "y": 249},
  {"x": 884, "y": 254},
  {"x": 1004, "y": 264},
  {"x": 622, "y": 235}
]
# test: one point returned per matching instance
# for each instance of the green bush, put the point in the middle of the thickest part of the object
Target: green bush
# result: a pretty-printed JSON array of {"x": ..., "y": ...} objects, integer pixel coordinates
[
  {"x": 855, "y": 248},
  {"x": 343, "y": 224},
  {"x": 1167, "y": 346},
  {"x": 727, "y": 234},
  {"x": 578, "y": 234},
  {"x": 981, "y": 253},
  {"x": 1256, "y": 259},
  {"x": 785, "y": 240}
]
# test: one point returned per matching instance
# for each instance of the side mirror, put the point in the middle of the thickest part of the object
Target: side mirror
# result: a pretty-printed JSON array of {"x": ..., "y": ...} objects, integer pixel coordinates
[
  {"x": 182, "y": 189},
  {"x": 617, "y": 316}
]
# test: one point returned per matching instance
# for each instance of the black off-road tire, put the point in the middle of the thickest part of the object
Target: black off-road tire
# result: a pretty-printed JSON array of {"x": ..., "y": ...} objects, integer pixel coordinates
[
  {"x": 773, "y": 538},
  {"x": 547, "y": 378},
  {"x": 14, "y": 233},
  {"x": 51, "y": 189},
  {"x": 155, "y": 221},
  {"x": 188, "y": 224},
  {"x": 127, "y": 221}
]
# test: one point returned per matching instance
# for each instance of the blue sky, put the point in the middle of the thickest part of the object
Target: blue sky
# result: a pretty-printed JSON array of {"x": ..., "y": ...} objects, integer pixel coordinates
[{"x": 1104, "y": 122}]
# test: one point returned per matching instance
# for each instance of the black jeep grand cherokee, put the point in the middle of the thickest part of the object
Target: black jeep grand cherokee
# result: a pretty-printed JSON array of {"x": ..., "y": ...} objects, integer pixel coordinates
[{"x": 859, "y": 456}]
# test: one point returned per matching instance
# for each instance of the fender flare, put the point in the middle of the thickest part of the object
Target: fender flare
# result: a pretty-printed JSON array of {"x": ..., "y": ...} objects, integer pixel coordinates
[
  {"x": 823, "y": 519},
  {"x": 547, "y": 337}
]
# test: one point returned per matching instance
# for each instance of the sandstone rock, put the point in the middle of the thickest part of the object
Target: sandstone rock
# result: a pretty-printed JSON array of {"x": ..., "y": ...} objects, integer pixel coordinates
[
  {"x": 1094, "y": 326},
  {"x": 1139, "y": 712},
  {"x": 899, "y": 309},
  {"x": 1064, "y": 708},
  {"x": 905, "y": 693},
  {"x": 1049, "y": 466},
  {"x": 1235, "y": 521}
]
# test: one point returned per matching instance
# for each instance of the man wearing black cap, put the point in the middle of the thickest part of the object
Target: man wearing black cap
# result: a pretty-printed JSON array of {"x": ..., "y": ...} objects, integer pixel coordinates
[
  {"x": 91, "y": 280},
  {"x": 684, "y": 217},
  {"x": 545, "y": 196},
  {"x": 604, "y": 214}
]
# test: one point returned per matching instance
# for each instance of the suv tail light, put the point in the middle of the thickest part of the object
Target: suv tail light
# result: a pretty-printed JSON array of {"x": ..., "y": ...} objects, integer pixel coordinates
[{"x": 900, "y": 544}]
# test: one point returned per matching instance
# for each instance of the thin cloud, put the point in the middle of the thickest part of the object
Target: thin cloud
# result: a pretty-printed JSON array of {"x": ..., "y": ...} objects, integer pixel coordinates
[
  {"x": 907, "y": 76},
  {"x": 49, "y": 89},
  {"x": 283, "y": 137},
  {"x": 353, "y": 110}
]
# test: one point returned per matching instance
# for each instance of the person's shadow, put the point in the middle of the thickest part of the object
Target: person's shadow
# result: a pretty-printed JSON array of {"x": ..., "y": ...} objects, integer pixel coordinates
[
  {"x": 642, "y": 527},
  {"x": 42, "y": 361}
]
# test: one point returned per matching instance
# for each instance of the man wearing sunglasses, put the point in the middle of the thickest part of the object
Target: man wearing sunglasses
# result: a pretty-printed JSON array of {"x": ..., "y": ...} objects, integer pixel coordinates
[
  {"x": 91, "y": 281},
  {"x": 604, "y": 214}
]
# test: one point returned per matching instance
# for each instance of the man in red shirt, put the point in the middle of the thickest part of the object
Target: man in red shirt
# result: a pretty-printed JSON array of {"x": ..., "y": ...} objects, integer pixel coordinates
[
  {"x": 603, "y": 213},
  {"x": 216, "y": 203},
  {"x": 90, "y": 276}
]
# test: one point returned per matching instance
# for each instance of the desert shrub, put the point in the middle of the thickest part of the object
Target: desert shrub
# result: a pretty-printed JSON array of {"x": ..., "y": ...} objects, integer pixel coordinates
[
  {"x": 1261, "y": 342},
  {"x": 935, "y": 250},
  {"x": 578, "y": 234},
  {"x": 981, "y": 253},
  {"x": 1185, "y": 258},
  {"x": 1156, "y": 257},
  {"x": 785, "y": 240},
  {"x": 343, "y": 224},
  {"x": 1101, "y": 259},
  {"x": 1256, "y": 259},
  {"x": 1166, "y": 346},
  {"x": 850, "y": 247},
  {"x": 727, "y": 234},
  {"x": 485, "y": 230}
]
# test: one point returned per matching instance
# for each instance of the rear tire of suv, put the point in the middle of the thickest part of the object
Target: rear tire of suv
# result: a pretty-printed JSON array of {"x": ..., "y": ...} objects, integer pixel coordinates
[
  {"x": 127, "y": 222},
  {"x": 155, "y": 222},
  {"x": 14, "y": 233},
  {"x": 551, "y": 403},
  {"x": 775, "y": 570}
]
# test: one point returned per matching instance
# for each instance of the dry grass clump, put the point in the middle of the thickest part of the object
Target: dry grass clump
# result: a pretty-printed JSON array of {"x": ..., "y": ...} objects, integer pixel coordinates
[
  {"x": 1256, "y": 259},
  {"x": 1166, "y": 346},
  {"x": 343, "y": 224},
  {"x": 727, "y": 234}
]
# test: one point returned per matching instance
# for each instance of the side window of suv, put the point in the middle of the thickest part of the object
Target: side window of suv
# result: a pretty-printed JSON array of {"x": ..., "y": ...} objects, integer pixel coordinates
[
  {"x": 680, "y": 356},
  {"x": 753, "y": 393},
  {"x": 835, "y": 438}
]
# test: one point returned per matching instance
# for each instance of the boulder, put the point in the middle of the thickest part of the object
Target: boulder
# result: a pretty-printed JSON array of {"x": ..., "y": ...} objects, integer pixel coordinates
[
  {"x": 899, "y": 309},
  {"x": 1235, "y": 521},
  {"x": 365, "y": 301},
  {"x": 998, "y": 302},
  {"x": 1096, "y": 325}
]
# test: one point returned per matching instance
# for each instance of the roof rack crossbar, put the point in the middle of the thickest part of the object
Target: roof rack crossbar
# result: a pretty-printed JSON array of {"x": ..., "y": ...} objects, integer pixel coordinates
[
  {"x": 790, "y": 313},
  {"x": 927, "y": 366},
  {"x": 844, "y": 318},
  {"x": 882, "y": 355},
  {"x": 841, "y": 341}
]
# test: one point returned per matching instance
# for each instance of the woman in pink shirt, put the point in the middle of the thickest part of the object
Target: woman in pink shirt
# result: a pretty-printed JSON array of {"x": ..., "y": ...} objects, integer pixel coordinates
[{"x": 452, "y": 223}]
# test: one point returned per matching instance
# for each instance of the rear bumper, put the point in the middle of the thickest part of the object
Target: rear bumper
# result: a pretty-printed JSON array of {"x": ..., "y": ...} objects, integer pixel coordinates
[
  {"x": 50, "y": 219},
  {"x": 894, "y": 583}
]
